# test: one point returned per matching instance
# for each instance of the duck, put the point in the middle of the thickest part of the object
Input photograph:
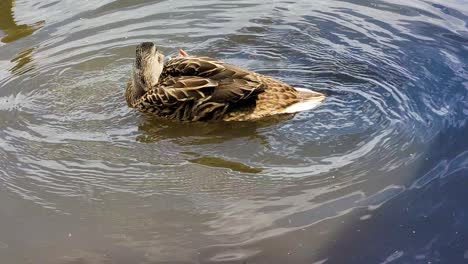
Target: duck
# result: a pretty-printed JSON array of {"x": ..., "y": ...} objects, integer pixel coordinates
[{"x": 198, "y": 88}]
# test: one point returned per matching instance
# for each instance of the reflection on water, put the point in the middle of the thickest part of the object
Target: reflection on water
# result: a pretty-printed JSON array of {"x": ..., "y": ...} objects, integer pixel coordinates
[
  {"x": 24, "y": 59},
  {"x": 217, "y": 162},
  {"x": 11, "y": 30},
  {"x": 154, "y": 129},
  {"x": 375, "y": 175}
]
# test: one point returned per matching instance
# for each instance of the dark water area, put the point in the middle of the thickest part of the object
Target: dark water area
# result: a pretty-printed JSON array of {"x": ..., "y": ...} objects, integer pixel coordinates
[{"x": 377, "y": 174}]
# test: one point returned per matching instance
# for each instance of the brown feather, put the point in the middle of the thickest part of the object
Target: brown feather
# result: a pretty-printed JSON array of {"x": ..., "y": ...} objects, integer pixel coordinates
[{"x": 202, "y": 88}]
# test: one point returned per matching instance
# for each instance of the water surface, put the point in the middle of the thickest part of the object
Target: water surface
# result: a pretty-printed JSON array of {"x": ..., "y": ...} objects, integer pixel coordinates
[{"x": 377, "y": 174}]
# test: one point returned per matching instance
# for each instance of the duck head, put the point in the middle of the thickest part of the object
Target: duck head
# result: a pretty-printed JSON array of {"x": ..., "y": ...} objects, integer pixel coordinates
[{"x": 147, "y": 68}]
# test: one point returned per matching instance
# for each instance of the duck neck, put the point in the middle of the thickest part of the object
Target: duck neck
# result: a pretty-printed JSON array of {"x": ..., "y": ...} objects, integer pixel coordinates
[{"x": 133, "y": 92}]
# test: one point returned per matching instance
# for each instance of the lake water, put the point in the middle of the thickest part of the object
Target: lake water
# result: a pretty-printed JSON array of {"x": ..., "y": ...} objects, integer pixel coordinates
[{"x": 377, "y": 174}]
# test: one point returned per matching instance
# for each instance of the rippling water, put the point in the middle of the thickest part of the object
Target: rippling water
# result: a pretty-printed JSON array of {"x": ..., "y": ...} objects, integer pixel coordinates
[{"x": 377, "y": 174}]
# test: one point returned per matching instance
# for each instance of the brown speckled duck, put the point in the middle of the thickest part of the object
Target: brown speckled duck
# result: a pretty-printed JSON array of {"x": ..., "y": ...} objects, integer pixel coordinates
[{"x": 190, "y": 88}]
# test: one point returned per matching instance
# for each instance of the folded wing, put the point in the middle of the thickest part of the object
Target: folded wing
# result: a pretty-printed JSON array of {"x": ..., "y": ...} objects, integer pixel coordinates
[{"x": 196, "y": 88}]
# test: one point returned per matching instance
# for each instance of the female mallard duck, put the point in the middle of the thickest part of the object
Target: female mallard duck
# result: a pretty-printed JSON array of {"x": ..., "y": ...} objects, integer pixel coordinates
[{"x": 193, "y": 88}]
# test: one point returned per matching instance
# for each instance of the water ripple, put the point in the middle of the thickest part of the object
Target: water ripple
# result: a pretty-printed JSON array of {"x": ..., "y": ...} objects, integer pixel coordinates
[{"x": 396, "y": 75}]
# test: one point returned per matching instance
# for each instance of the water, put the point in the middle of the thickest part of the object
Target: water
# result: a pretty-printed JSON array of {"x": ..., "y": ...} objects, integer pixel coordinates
[{"x": 377, "y": 174}]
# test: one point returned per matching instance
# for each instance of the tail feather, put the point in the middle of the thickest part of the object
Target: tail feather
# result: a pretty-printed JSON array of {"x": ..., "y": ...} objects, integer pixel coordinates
[{"x": 310, "y": 100}]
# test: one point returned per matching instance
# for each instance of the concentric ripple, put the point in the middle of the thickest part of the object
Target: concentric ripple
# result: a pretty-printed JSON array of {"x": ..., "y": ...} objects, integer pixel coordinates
[{"x": 77, "y": 165}]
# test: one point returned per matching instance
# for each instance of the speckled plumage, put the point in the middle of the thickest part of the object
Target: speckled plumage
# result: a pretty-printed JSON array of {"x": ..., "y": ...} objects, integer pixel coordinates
[{"x": 193, "y": 88}]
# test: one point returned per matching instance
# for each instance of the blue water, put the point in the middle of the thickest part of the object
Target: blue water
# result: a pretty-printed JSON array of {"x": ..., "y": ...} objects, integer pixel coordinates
[{"x": 377, "y": 174}]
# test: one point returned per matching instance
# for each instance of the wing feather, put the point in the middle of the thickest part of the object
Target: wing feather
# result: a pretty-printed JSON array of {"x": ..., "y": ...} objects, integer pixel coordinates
[{"x": 196, "y": 88}]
